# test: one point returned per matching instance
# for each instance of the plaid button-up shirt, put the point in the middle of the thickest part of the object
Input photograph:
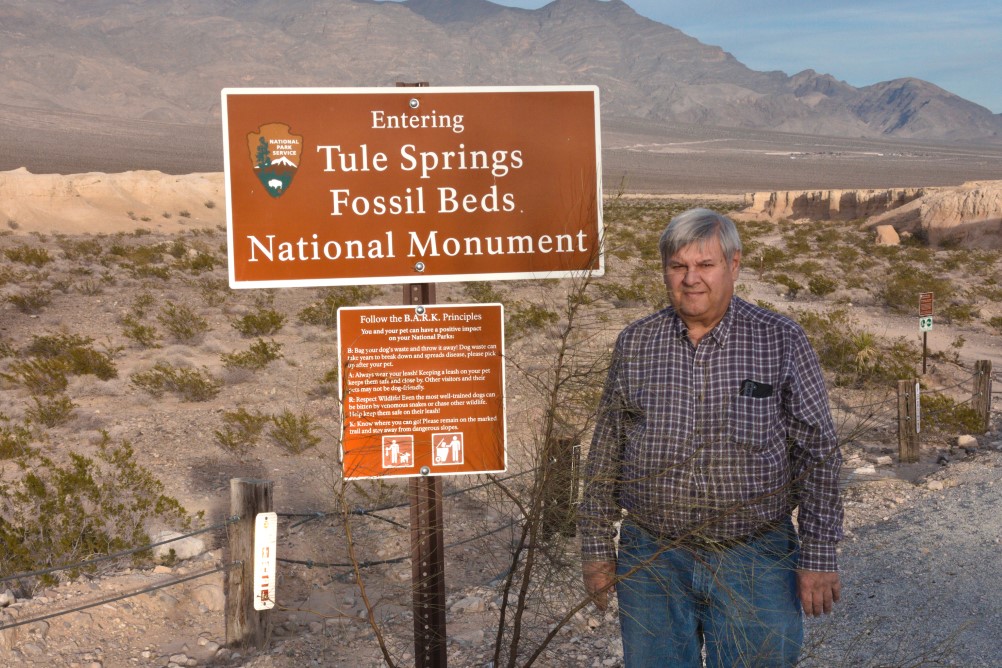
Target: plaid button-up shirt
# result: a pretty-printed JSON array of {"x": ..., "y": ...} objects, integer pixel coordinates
[{"x": 714, "y": 441}]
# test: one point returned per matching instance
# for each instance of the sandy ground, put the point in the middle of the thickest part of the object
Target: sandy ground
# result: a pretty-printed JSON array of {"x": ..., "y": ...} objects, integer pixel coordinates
[{"x": 320, "y": 622}]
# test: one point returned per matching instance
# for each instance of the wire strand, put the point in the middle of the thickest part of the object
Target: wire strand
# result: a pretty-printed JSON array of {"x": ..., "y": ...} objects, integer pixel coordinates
[{"x": 103, "y": 601}]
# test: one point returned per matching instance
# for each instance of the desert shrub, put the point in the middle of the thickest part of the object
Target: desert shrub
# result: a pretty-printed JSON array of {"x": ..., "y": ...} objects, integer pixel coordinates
[
  {"x": 902, "y": 289},
  {"x": 768, "y": 258},
  {"x": 76, "y": 351},
  {"x": 34, "y": 257},
  {"x": 996, "y": 322},
  {"x": 189, "y": 384},
  {"x": 482, "y": 292},
  {"x": 943, "y": 414},
  {"x": 31, "y": 301},
  {"x": 182, "y": 323},
  {"x": 15, "y": 439},
  {"x": 213, "y": 291},
  {"x": 293, "y": 433},
  {"x": 50, "y": 411},
  {"x": 59, "y": 513},
  {"x": 260, "y": 354},
  {"x": 792, "y": 287},
  {"x": 822, "y": 285},
  {"x": 197, "y": 263},
  {"x": 855, "y": 356},
  {"x": 263, "y": 322},
  {"x": 81, "y": 249},
  {"x": 40, "y": 375},
  {"x": 143, "y": 335},
  {"x": 522, "y": 319},
  {"x": 241, "y": 430},
  {"x": 958, "y": 313},
  {"x": 324, "y": 312}
]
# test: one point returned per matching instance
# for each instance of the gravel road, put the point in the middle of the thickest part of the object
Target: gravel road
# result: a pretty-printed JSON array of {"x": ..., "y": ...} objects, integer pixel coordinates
[{"x": 920, "y": 584}]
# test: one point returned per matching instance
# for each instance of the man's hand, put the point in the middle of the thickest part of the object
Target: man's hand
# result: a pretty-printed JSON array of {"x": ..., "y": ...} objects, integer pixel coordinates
[
  {"x": 599, "y": 577},
  {"x": 818, "y": 591}
]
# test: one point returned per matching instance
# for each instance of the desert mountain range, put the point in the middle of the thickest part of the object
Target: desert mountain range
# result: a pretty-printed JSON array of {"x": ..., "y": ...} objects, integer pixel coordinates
[{"x": 164, "y": 63}]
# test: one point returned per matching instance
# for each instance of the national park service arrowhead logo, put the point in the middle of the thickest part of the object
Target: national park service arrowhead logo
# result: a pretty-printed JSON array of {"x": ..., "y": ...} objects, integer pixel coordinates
[{"x": 275, "y": 154}]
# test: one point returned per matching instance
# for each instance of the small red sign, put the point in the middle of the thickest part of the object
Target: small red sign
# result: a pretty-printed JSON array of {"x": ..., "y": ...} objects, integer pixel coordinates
[
  {"x": 925, "y": 304},
  {"x": 422, "y": 390}
]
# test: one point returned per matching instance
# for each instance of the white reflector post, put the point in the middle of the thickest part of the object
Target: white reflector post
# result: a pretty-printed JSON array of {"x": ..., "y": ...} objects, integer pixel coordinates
[{"x": 265, "y": 542}]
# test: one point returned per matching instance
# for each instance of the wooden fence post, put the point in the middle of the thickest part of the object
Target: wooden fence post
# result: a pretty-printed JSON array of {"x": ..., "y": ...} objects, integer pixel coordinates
[
  {"x": 981, "y": 400},
  {"x": 245, "y": 626},
  {"x": 908, "y": 421}
]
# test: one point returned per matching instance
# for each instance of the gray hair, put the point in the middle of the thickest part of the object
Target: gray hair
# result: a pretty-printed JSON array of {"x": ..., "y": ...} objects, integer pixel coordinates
[{"x": 699, "y": 226}]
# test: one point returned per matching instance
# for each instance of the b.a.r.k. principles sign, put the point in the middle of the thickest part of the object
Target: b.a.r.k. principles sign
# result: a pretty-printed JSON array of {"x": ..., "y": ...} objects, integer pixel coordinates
[{"x": 403, "y": 185}]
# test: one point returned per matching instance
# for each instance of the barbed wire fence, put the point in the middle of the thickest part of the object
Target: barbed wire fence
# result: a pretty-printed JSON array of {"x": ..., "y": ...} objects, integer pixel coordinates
[{"x": 875, "y": 415}]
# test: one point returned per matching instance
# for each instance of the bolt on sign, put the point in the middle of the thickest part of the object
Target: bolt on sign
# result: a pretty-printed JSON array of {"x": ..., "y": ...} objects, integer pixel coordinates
[
  {"x": 349, "y": 186},
  {"x": 422, "y": 390}
]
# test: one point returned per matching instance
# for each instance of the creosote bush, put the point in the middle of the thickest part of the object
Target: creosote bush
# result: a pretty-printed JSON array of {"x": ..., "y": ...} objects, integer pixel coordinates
[
  {"x": 324, "y": 312},
  {"x": 241, "y": 430},
  {"x": 260, "y": 354},
  {"x": 182, "y": 323},
  {"x": 943, "y": 414},
  {"x": 80, "y": 357},
  {"x": 264, "y": 322},
  {"x": 187, "y": 383},
  {"x": 293, "y": 433},
  {"x": 61, "y": 512},
  {"x": 34, "y": 257}
]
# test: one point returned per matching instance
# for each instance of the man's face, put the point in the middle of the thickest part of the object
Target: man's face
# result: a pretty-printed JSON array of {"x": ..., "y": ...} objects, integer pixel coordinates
[{"x": 700, "y": 283}]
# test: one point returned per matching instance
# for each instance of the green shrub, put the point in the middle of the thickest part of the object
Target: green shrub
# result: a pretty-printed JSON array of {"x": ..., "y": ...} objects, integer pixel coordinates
[
  {"x": 31, "y": 301},
  {"x": 260, "y": 354},
  {"x": 189, "y": 384},
  {"x": 40, "y": 375},
  {"x": 856, "y": 357},
  {"x": 77, "y": 352},
  {"x": 943, "y": 414},
  {"x": 51, "y": 411},
  {"x": 145, "y": 336},
  {"x": 241, "y": 430},
  {"x": 792, "y": 287},
  {"x": 525, "y": 318},
  {"x": 264, "y": 322},
  {"x": 59, "y": 513},
  {"x": 822, "y": 285},
  {"x": 901, "y": 291},
  {"x": 324, "y": 312},
  {"x": 14, "y": 440},
  {"x": 182, "y": 323},
  {"x": 293, "y": 433},
  {"x": 34, "y": 257}
]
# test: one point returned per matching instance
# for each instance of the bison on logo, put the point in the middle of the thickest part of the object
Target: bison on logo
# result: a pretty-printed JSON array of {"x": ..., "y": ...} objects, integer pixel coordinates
[{"x": 275, "y": 154}]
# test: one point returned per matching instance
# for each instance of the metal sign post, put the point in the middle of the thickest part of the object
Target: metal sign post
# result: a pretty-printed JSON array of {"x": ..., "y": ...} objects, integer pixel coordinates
[
  {"x": 427, "y": 545},
  {"x": 925, "y": 323}
]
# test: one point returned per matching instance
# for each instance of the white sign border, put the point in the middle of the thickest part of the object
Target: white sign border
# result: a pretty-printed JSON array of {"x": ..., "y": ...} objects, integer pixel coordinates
[{"x": 412, "y": 277}]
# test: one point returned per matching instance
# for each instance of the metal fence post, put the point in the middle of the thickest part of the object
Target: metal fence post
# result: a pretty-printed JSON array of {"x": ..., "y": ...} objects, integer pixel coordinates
[{"x": 245, "y": 626}]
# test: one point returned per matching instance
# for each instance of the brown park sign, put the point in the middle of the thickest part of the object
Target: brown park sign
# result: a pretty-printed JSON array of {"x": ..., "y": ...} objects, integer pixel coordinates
[
  {"x": 422, "y": 390},
  {"x": 403, "y": 185}
]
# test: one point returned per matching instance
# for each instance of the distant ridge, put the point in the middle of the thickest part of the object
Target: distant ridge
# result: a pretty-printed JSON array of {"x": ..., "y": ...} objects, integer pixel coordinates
[{"x": 152, "y": 61}]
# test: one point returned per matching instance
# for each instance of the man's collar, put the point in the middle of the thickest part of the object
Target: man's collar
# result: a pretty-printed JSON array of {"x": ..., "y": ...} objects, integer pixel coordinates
[{"x": 718, "y": 334}]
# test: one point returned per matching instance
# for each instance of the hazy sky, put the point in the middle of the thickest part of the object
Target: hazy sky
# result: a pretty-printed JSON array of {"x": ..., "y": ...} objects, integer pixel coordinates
[{"x": 955, "y": 44}]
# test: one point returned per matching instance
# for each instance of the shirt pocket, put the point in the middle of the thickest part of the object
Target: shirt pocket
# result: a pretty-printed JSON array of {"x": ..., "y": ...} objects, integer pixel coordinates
[{"x": 755, "y": 423}]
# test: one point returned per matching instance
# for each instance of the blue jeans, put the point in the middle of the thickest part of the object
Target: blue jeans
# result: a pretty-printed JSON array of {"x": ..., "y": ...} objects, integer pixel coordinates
[{"x": 740, "y": 602}]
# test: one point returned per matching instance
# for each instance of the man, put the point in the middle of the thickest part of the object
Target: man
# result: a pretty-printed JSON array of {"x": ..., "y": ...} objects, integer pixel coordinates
[{"x": 714, "y": 425}]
